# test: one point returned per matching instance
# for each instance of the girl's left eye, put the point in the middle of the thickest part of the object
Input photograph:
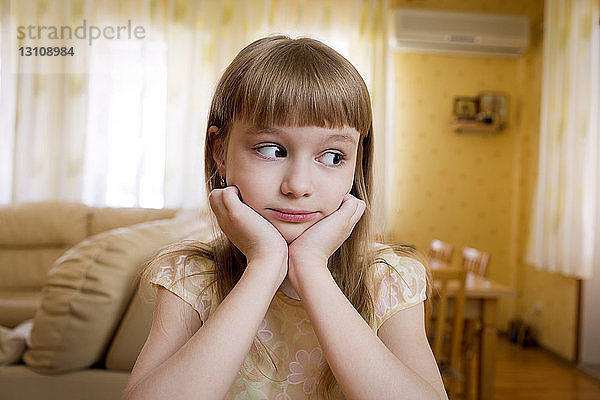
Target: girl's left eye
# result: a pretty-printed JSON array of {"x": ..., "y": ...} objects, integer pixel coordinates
[{"x": 333, "y": 159}]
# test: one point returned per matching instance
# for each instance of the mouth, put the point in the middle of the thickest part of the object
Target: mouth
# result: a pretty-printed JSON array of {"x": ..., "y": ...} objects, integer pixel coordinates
[{"x": 291, "y": 215}]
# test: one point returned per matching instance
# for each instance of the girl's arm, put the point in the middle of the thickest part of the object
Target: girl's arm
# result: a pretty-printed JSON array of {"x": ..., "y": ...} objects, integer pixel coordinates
[
  {"x": 207, "y": 364},
  {"x": 365, "y": 367}
]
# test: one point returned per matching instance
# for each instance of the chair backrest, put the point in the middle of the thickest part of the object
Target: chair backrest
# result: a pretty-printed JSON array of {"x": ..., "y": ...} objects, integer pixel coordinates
[
  {"x": 475, "y": 261},
  {"x": 448, "y": 283},
  {"x": 441, "y": 251}
]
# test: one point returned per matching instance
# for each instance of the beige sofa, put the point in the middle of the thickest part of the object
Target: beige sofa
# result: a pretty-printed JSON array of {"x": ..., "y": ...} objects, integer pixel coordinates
[{"x": 73, "y": 316}]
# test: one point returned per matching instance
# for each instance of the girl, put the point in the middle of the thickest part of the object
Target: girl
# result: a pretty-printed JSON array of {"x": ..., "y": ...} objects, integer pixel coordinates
[{"x": 293, "y": 299}]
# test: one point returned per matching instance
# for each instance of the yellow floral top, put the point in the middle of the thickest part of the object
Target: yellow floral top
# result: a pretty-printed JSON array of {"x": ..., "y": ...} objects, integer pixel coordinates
[{"x": 286, "y": 332}]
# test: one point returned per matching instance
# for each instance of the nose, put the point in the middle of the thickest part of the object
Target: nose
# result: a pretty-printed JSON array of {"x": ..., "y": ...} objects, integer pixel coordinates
[{"x": 297, "y": 180}]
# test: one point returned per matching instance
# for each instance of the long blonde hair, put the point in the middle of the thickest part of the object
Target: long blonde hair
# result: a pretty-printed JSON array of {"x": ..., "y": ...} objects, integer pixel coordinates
[{"x": 277, "y": 80}]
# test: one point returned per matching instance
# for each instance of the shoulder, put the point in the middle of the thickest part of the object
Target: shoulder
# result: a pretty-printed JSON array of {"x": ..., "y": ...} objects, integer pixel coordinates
[
  {"x": 171, "y": 268},
  {"x": 391, "y": 264},
  {"x": 398, "y": 282},
  {"x": 190, "y": 277}
]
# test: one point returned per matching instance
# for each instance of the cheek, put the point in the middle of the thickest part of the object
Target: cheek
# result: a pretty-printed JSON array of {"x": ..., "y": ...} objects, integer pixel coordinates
[
  {"x": 251, "y": 195},
  {"x": 334, "y": 192},
  {"x": 240, "y": 172},
  {"x": 254, "y": 192}
]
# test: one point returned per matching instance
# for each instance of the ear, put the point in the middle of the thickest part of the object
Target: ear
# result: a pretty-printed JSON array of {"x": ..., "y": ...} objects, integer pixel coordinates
[{"x": 218, "y": 148}]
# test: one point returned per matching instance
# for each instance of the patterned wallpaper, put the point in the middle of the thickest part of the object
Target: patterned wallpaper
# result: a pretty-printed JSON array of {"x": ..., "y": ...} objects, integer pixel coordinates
[
  {"x": 459, "y": 188},
  {"x": 475, "y": 189}
]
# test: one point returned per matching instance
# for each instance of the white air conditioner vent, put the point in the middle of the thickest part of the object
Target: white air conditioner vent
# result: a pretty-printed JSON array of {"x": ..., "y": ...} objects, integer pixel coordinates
[{"x": 449, "y": 32}]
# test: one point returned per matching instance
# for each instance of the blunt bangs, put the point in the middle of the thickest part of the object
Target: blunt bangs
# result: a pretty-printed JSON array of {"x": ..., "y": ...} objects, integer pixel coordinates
[{"x": 298, "y": 83}]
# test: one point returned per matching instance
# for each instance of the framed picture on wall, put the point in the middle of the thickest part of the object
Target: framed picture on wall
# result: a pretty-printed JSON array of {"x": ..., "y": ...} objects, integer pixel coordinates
[
  {"x": 465, "y": 108},
  {"x": 492, "y": 107}
]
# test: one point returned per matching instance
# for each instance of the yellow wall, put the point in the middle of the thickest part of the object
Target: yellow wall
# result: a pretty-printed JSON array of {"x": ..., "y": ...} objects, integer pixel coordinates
[{"x": 476, "y": 189}]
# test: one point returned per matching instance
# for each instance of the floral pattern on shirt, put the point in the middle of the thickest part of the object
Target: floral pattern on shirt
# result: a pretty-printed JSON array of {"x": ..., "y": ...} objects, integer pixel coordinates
[
  {"x": 174, "y": 275},
  {"x": 306, "y": 369},
  {"x": 387, "y": 298},
  {"x": 295, "y": 357},
  {"x": 397, "y": 285},
  {"x": 283, "y": 396},
  {"x": 263, "y": 333}
]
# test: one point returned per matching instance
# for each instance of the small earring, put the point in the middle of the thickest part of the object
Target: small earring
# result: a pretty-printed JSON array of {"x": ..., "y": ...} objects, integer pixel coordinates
[{"x": 223, "y": 182}]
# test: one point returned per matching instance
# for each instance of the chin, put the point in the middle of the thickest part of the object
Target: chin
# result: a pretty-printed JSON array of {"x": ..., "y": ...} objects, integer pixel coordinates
[
  {"x": 291, "y": 233},
  {"x": 290, "y": 236}
]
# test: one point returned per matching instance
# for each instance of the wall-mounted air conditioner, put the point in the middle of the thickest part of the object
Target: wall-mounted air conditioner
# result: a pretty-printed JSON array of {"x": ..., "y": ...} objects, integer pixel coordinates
[{"x": 449, "y": 32}]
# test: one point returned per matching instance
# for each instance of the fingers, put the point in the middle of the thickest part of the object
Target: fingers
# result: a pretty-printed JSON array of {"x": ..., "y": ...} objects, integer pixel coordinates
[
  {"x": 358, "y": 213},
  {"x": 231, "y": 199},
  {"x": 215, "y": 200},
  {"x": 223, "y": 203},
  {"x": 327, "y": 235},
  {"x": 224, "y": 199},
  {"x": 352, "y": 209}
]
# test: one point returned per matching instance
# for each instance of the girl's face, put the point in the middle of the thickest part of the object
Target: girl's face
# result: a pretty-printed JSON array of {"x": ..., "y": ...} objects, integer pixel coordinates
[{"x": 292, "y": 176}]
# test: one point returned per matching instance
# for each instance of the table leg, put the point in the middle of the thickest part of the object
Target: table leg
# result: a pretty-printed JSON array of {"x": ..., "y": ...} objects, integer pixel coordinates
[
  {"x": 487, "y": 350},
  {"x": 469, "y": 353}
]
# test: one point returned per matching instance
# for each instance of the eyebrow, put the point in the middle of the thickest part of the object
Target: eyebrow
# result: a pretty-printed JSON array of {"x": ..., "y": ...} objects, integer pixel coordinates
[{"x": 338, "y": 137}]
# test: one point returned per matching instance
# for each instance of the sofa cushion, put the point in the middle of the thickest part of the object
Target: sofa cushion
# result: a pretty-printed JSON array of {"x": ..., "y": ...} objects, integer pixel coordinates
[
  {"x": 18, "y": 382},
  {"x": 43, "y": 223},
  {"x": 133, "y": 330},
  {"x": 27, "y": 266},
  {"x": 104, "y": 219},
  {"x": 18, "y": 305},
  {"x": 34, "y": 235},
  {"x": 135, "y": 325},
  {"x": 87, "y": 291}
]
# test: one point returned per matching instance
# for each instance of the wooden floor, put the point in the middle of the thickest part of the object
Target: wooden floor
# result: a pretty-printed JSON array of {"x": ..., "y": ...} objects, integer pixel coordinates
[{"x": 534, "y": 374}]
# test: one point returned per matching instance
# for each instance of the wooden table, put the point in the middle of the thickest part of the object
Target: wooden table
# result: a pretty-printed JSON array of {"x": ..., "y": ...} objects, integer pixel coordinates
[{"x": 481, "y": 304}]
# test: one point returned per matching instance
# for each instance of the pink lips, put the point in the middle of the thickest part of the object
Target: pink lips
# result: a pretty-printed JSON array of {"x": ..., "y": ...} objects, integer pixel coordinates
[{"x": 290, "y": 215}]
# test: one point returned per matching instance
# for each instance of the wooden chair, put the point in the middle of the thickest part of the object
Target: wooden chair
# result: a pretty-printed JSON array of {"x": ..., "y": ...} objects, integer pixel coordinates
[
  {"x": 445, "y": 328},
  {"x": 475, "y": 261},
  {"x": 441, "y": 251}
]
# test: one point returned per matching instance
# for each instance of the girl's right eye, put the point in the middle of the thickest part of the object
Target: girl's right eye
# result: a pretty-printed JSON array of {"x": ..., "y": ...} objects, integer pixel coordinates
[{"x": 271, "y": 151}]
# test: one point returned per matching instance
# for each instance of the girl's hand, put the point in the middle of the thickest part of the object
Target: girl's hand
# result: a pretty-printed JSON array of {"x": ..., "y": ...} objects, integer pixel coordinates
[
  {"x": 320, "y": 241},
  {"x": 249, "y": 231}
]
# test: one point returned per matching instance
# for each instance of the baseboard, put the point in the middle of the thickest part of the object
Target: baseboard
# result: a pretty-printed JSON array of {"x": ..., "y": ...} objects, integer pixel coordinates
[{"x": 593, "y": 370}]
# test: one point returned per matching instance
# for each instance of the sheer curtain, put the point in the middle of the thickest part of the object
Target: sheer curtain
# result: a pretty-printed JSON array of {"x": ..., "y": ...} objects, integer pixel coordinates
[
  {"x": 7, "y": 107},
  {"x": 125, "y": 125},
  {"x": 566, "y": 216}
]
